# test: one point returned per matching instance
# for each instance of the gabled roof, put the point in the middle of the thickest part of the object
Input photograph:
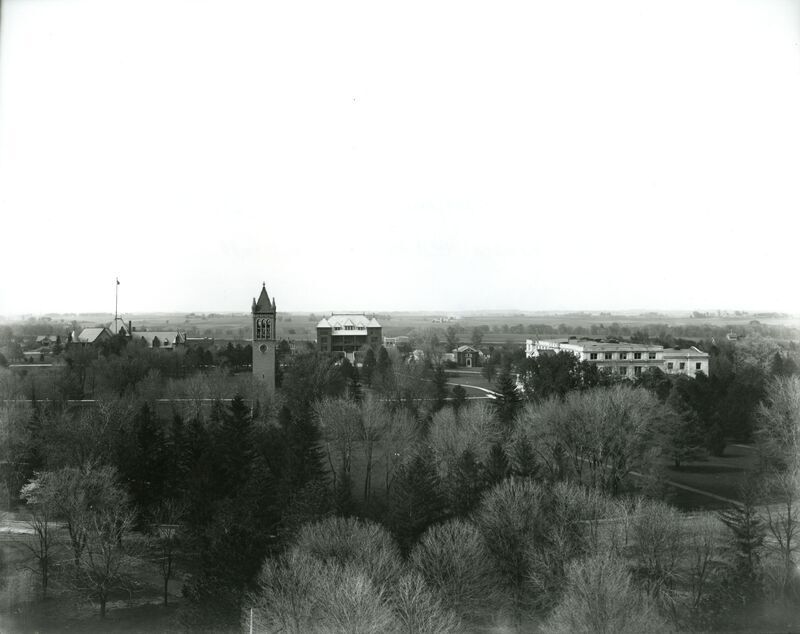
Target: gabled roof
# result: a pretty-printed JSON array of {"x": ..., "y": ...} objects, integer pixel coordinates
[
  {"x": 349, "y": 319},
  {"x": 263, "y": 305},
  {"x": 466, "y": 349},
  {"x": 90, "y": 335}
]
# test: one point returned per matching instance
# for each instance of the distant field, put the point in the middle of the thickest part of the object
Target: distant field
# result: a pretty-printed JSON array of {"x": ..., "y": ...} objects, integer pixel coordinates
[{"x": 302, "y": 326}]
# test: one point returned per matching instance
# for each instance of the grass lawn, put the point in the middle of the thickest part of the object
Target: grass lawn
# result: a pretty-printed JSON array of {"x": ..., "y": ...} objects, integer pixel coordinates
[
  {"x": 469, "y": 377},
  {"x": 723, "y": 476}
]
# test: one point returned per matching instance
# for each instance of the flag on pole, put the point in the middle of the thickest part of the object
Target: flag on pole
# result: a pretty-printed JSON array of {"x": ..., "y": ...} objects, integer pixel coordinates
[{"x": 117, "y": 281}]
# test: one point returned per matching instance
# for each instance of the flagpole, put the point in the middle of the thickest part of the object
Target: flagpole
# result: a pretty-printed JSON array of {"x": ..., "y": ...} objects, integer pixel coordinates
[{"x": 116, "y": 303}]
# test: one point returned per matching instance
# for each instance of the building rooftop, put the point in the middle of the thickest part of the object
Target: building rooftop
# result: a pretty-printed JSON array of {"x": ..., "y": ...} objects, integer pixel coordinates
[
  {"x": 685, "y": 352},
  {"x": 90, "y": 335},
  {"x": 170, "y": 337},
  {"x": 338, "y": 322}
]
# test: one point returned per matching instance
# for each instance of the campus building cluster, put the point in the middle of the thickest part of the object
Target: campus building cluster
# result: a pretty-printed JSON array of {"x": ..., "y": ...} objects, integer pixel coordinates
[{"x": 626, "y": 359}]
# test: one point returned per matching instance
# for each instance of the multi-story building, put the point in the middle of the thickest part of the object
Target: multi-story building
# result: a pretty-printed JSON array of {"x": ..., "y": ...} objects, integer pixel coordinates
[
  {"x": 348, "y": 333},
  {"x": 626, "y": 359},
  {"x": 688, "y": 361}
]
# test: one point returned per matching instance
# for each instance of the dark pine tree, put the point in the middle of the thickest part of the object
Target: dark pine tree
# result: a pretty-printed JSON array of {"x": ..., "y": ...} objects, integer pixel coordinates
[
  {"x": 234, "y": 446},
  {"x": 459, "y": 398},
  {"x": 439, "y": 388},
  {"x": 416, "y": 500},
  {"x": 368, "y": 367},
  {"x": 467, "y": 484},
  {"x": 354, "y": 390},
  {"x": 525, "y": 464},
  {"x": 384, "y": 365},
  {"x": 303, "y": 459},
  {"x": 509, "y": 401},
  {"x": 746, "y": 547},
  {"x": 146, "y": 469},
  {"x": 497, "y": 467}
]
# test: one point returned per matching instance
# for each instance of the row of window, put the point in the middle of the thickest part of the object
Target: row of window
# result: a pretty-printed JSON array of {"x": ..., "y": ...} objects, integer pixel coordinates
[
  {"x": 637, "y": 369},
  {"x": 682, "y": 366},
  {"x": 608, "y": 356}
]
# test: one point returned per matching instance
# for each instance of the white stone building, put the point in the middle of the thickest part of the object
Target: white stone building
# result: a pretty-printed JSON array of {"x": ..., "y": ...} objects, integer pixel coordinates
[{"x": 626, "y": 359}]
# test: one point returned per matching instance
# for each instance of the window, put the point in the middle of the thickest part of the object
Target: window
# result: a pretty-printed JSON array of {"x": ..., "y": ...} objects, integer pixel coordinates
[
  {"x": 608, "y": 356},
  {"x": 682, "y": 366},
  {"x": 267, "y": 328},
  {"x": 651, "y": 355},
  {"x": 637, "y": 370},
  {"x": 261, "y": 328},
  {"x": 637, "y": 355},
  {"x": 593, "y": 355},
  {"x": 623, "y": 355},
  {"x": 623, "y": 370},
  {"x": 698, "y": 366},
  {"x": 670, "y": 365}
]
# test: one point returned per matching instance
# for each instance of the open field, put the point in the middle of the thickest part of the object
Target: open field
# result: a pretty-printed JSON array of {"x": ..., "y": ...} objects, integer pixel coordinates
[{"x": 302, "y": 326}]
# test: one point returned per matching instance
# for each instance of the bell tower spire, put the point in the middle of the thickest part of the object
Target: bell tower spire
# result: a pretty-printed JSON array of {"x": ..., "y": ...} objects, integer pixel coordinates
[{"x": 264, "y": 314}]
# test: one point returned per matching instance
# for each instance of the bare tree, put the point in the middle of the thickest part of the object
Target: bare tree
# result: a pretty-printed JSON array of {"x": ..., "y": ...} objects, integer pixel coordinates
[
  {"x": 165, "y": 530},
  {"x": 45, "y": 531},
  {"x": 778, "y": 438},
  {"x": 373, "y": 421},
  {"x": 398, "y": 436},
  {"x": 603, "y": 433},
  {"x": 601, "y": 597},
  {"x": 104, "y": 561},
  {"x": 340, "y": 423}
]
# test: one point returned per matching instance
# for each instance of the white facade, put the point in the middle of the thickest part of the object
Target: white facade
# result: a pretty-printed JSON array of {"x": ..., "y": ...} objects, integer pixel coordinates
[
  {"x": 687, "y": 361},
  {"x": 626, "y": 359}
]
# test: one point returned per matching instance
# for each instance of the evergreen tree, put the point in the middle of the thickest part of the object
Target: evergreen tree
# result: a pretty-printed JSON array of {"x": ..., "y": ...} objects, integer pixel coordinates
[
  {"x": 354, "y": 390},
  {"x": 303, "y": 457},
  {"x": 384, "y": 364},
  {"x": 346, "y": 368},
  {"x": 509, "y": 401},
  {"x": 466, "y": 484},
  {"x": 201, "y": 487},
  {"x": 368, "y": 367},
  {"x": 145, "y": 470},
  {"x": 497, "y": 467},
  {"x": 682, "y": 435},
  {"x": 234, "y": 446},
  {"x": 459, "y": 398},
  {"x": 525, "y": 464},
  {"x": 439, "y": 388},
  {"x": 746, "y": 547},
  {"x": 416, "y": 500}
]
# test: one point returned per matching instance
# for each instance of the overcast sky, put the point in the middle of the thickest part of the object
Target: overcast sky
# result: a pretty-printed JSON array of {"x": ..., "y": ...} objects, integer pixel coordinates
[{"x": 407, "y": 156}]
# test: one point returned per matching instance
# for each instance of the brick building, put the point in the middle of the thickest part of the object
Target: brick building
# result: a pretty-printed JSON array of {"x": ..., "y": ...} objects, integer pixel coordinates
[{"x": 348, "y": 333}]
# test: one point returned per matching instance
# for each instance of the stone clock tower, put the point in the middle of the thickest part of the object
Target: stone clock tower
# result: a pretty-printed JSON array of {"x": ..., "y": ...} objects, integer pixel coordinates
[{"x": 264, "y": 341}]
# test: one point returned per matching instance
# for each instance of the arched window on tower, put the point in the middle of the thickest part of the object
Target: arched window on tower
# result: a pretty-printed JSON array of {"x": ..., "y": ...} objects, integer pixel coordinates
[
  {"x": 268, "y": 328},
  {"x": 261, "y": 328}
]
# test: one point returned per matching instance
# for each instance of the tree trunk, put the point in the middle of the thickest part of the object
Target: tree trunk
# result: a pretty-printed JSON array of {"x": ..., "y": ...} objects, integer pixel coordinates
[{"x": 103, "y": 607}]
